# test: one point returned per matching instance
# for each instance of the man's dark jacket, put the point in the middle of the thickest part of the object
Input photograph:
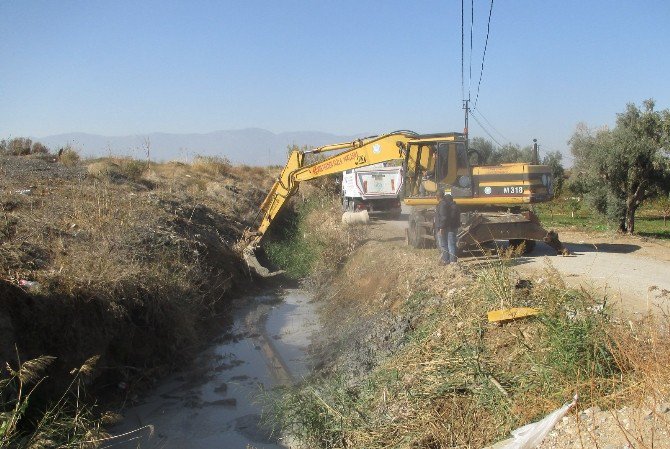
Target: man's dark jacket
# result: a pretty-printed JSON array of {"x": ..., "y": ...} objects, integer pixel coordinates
[{"x": 447, "y": 215}]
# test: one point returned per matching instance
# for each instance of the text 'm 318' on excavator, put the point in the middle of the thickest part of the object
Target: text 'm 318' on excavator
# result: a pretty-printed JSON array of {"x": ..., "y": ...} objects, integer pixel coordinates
[{"x": 494, "y": 200}]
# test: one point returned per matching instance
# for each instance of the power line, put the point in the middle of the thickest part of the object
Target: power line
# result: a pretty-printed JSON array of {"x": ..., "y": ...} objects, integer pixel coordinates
[
  {"x": 486, "y": 131},
  {"x": 488, "y": 30},
  {"x": 472, "y": 25},
  {"x": 491, "y": 125},
  {"x": 462, "y": 50}
]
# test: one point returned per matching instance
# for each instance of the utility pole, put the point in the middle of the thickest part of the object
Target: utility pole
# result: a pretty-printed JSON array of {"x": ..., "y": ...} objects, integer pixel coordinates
[
  {"x": 466, "y": 107},
  {"x": 536, "y": 154}
]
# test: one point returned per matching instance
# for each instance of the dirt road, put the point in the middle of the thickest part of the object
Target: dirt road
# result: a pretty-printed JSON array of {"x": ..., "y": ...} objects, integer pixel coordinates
[{"x": 632, "y": 273}]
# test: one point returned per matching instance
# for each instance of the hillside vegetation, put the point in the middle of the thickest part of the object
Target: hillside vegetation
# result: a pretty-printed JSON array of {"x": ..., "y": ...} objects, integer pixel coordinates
[
  {"x": 408, "y": 359},
  {"x": 116, "y": 261}
]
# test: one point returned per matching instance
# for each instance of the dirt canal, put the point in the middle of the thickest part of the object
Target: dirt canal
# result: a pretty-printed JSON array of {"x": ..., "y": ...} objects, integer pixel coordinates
[{"x": 215, "y": 403}]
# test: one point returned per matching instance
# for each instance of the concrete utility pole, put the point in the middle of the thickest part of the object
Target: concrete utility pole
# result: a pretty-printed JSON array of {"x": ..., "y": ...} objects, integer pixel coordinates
[
  {"x": 536, "y": 154},
  {"x": 466, "y": 106}
]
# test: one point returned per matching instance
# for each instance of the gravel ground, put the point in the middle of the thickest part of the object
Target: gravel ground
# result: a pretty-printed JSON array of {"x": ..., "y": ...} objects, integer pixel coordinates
[
  {"x": 625, "y": 428},
  {"x": 632, "y": 272},
  {"x": 613, "y": 429}
]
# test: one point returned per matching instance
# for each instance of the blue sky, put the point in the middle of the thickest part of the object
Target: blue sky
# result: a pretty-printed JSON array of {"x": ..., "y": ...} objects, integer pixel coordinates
[{"x": 345, "y": 67}]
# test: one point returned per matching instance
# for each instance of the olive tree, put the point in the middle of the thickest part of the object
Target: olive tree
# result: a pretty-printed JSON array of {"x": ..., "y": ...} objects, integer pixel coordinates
[
  {"x": 618, "y": 169},
  {"x": 489, "y": 155},
  {"x": 509, "y": 152},
  {"x": 554, "y": 160},
  {"x": 484, "y": 149},
  {"x": 512, "y": 153}
]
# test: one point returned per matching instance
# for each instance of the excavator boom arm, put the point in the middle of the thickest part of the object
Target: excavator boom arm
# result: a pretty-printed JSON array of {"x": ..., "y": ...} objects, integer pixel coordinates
[{"x": 358, "y": 153}]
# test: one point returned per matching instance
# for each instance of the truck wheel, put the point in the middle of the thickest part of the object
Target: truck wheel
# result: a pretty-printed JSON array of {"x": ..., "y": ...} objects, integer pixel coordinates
[
  {"x": 348, "y": 205},
  {"x": 529, "y": 245}
]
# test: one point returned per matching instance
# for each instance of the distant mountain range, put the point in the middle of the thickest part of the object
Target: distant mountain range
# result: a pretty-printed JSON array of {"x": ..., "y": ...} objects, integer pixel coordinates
[{"x": 253, "y": 146}]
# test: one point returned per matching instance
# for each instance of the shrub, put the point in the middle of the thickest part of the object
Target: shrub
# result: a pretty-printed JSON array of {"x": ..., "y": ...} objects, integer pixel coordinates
[
  {"x": 132, "y": 169},
  {"x": 293, "y": 252},
  {"x": 211, "y": 165},
  {"x": 39, "y": 148},
  {"x": 315, "y": 243},
  {"x": 68, "y": 156},
  {"x": 19, "y": 146}
]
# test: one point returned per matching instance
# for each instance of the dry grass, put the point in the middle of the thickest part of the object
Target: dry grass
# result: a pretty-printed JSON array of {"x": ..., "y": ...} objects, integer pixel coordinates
[
  {"x": 65, "y": 422},
  {"x": 450, "y": 379},
  {"x": 336, "y": 241},
  {"x": 127, "y": 263},
  {"x": 212, "y": 165},
  {"x": 117, "y": 169},
  {"x": 124, "y": 260}
]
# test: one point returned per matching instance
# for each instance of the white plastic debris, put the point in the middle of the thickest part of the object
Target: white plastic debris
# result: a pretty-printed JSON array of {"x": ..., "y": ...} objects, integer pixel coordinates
[
  {"x": 531, "y": 435},
  {"x": 356, "y": 218},
  {"x": 28, "y": 284}
]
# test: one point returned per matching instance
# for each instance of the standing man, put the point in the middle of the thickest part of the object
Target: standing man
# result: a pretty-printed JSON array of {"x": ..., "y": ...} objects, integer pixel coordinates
[{"x": 447, "y": 222}]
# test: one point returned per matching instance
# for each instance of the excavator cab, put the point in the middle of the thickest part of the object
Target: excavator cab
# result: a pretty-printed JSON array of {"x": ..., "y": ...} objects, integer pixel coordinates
[{"x": 438, "y": 161}]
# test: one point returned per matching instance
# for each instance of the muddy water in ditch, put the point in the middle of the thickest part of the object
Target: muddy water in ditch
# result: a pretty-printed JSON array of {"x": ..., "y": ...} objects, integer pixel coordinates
[{"x": 215, "y": 403}]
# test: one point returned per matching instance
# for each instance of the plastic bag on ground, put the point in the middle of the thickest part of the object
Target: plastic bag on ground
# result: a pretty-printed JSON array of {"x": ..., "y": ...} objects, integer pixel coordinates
[{"x": 531, "y": 435}]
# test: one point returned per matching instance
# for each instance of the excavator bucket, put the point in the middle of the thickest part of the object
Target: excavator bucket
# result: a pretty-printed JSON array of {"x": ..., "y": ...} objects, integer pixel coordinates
[
  {"x": 247, "y": 247},
  {"x": 249, "y": 256}
]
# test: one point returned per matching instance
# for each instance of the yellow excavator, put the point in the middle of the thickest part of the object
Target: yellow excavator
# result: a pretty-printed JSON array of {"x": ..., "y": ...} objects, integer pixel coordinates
[{"x": 493, "y": 200}]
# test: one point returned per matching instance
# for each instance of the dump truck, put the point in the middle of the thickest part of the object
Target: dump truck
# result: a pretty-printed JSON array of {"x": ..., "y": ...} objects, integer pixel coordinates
[
  {"x": 495, "y": 201},
  {"x": 375, "y": 188}
]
